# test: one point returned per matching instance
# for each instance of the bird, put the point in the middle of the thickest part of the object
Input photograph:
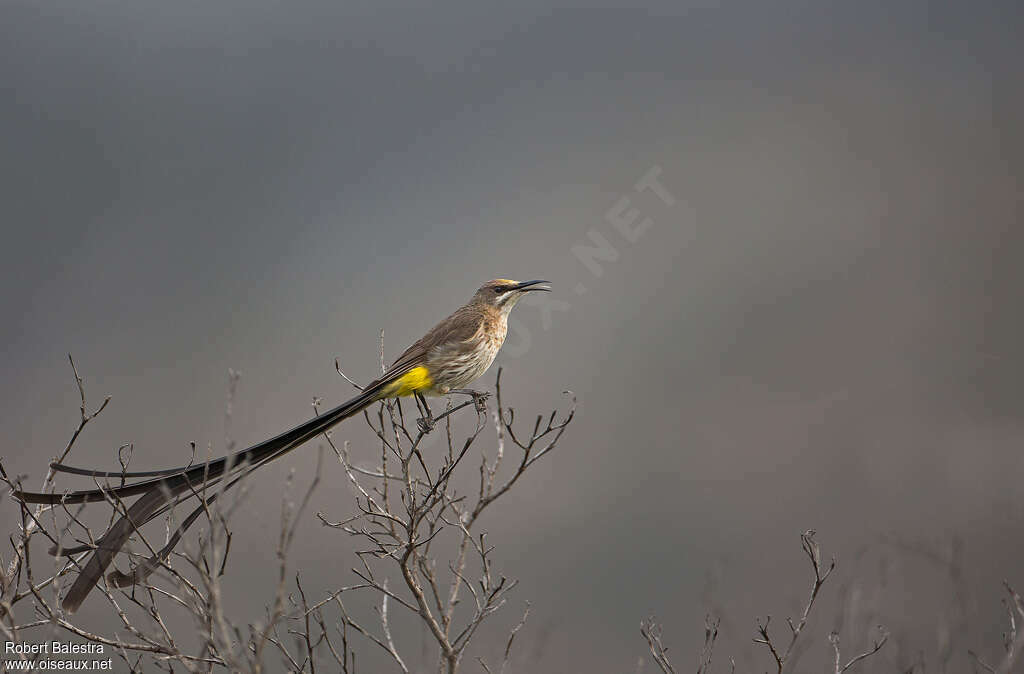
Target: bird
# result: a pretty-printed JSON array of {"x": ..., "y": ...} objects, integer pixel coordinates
[{"x": 448, "y": 358}]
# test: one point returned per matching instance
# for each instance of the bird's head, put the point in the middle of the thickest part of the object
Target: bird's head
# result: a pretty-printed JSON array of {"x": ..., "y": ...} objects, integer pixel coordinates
[{"x": 503, "y": 293}]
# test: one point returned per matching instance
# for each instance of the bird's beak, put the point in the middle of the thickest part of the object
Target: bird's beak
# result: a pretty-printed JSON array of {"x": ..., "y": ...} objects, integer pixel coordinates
[{"x": 527, "y": 286}]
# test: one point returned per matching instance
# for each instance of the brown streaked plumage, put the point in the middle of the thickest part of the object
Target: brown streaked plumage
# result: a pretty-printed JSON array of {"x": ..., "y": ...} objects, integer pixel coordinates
[{"x": 453, "y": 354}]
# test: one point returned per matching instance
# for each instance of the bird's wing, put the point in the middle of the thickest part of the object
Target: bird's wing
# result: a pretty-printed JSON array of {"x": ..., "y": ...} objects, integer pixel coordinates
[{"x": 458, "y": 327}]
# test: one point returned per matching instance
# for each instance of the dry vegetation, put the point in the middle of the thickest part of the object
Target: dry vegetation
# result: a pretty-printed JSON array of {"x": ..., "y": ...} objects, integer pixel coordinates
[{"x": 420, "y": 550}]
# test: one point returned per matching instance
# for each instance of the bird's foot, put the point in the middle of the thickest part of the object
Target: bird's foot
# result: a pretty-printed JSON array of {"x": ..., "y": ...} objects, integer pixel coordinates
[
  {"x": 479, "y": 397},
  {"x": 425, "y": 424}
]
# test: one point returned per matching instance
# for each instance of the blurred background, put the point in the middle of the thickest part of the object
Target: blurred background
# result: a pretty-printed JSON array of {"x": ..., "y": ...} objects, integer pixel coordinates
[{"x": 813, "y": 320}]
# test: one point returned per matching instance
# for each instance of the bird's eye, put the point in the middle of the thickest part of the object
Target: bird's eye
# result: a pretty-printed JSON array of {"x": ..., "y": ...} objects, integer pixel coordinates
[{"x": 496, "y": 290}]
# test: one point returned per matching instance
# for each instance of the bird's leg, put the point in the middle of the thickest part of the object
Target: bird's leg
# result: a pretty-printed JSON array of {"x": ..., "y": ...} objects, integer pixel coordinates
[
  {"x": 479, "y": 397},
  {"x": 427, "y": 421}
]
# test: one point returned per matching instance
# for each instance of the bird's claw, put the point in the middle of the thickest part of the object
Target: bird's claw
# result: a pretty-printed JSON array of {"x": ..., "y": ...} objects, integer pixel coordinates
[
  {"x": 425, "y": 424},
  {"x": 479, "y": 397},
  {"x": 480, "y": 400}
]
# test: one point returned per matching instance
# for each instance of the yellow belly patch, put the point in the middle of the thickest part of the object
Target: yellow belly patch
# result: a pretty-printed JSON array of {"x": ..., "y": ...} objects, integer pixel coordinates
[{"x": 416, "y": 379}]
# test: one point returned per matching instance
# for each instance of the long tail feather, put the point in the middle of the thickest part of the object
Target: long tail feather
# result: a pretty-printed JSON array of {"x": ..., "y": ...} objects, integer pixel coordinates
[
  {"x": 87, "y": 472},
  {"x": 204, "y": 471},
  {"x": 159, "y": 493}
]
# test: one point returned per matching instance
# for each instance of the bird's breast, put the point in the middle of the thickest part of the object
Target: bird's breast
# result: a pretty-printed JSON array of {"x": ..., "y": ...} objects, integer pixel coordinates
[{"x": 458, "y": 364}]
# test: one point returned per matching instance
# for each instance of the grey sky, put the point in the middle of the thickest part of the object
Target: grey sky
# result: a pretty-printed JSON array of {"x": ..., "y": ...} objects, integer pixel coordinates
[{"x": 823, "y": 331}]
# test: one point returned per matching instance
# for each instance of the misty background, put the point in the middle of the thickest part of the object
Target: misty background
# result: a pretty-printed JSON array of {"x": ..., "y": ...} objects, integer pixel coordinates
[{"x": 821, "y": 331}]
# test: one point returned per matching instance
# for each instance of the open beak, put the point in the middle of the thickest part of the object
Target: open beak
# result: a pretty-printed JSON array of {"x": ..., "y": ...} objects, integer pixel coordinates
[{"x": 527, "y": 286}]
